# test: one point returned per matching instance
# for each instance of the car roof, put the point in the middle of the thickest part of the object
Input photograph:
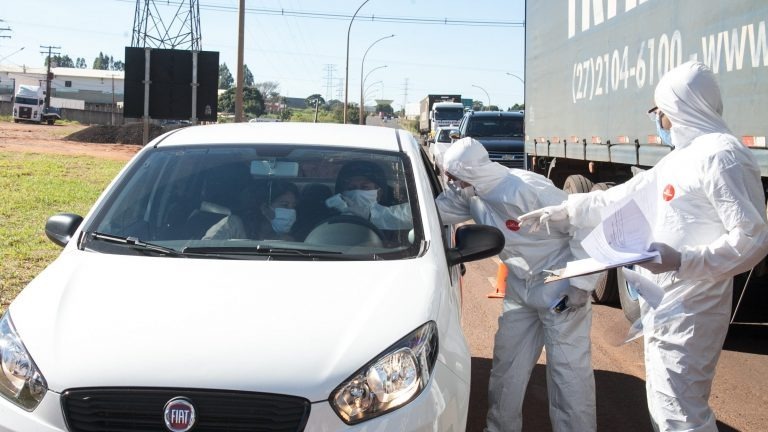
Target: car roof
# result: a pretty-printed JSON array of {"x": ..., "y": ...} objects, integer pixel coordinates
[
  {"x": 495, "y": 114},
  {"x": 320, "y": 134}
]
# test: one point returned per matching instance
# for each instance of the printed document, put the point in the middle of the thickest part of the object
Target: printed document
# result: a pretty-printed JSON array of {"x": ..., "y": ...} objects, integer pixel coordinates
[{"x": 620, "y": 239}]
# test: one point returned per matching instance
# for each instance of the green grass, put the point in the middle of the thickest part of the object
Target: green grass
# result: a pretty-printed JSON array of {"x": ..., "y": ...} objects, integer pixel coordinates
[{"x": 32, "y": 188}]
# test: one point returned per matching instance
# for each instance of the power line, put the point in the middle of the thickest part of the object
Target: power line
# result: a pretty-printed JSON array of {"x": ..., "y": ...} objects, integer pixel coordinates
[{"x": 374, "y": 18}]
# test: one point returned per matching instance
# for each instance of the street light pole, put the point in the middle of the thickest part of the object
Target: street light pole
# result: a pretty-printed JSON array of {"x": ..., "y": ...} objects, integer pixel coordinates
[
  {"x": 362, "y": 81},
  {"x": 346, "y": 76},
  {"x": 486, "y": 94},
  {"x": 521, "y": 80},
  {"x": 20, "y": 49}
]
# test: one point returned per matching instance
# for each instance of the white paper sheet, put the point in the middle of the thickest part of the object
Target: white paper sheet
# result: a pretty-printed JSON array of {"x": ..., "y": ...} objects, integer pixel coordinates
[{"x": 620, "y": 239}]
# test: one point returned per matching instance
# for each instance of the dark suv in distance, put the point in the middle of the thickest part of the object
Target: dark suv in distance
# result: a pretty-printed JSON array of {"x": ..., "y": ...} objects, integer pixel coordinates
[{"x": 500, "y": 132}]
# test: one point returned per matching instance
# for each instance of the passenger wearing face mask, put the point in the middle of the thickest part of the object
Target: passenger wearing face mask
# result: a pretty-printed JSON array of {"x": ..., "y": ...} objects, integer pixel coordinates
[
  {"x": 361, "y": 190},
  {"x": 535, "y": 315},
  {"x": 278, "y": 212},
  {"x": 273, "y": 219}
]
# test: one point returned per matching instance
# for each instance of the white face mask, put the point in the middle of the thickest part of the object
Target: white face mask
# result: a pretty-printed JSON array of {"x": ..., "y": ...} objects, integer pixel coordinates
[
  {"x": 283, "y": 220},
  {"x": 361, "y": 201},
  {"x": 361, "y": 198}
]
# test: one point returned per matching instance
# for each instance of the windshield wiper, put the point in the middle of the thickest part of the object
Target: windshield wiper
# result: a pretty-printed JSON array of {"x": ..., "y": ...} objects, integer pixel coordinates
[
  {"x": 258, "y": 250},
  {"x": 135, "y": 243}
]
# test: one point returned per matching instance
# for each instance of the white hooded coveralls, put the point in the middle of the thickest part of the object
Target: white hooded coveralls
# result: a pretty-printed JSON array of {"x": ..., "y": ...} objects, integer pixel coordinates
[
  {"x": 527, "y": 322},
  {"x": 710, "y": 206}
]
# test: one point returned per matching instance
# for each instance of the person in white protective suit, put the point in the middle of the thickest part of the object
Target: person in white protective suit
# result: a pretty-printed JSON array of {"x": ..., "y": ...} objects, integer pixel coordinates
[
  {"x": 492, "y": 194},
  {"x": 709, "y": 225},
  {"x": 362, "y": 190}
]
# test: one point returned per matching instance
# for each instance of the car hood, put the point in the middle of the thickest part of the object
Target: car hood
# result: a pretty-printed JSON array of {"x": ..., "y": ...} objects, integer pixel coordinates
[
  {"x": 502, "y": 144},
  {"x": 297, "y": 328}
]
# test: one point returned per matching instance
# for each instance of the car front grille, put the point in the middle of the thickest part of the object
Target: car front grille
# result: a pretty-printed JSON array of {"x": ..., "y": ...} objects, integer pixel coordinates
[
  {"x": 141, "y": 409},
  {"x": 512, "y": 160}
]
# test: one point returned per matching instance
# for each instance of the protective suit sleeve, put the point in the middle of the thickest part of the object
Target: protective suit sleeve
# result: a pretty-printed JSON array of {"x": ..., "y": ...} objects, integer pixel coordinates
[
  {"x": 396, "y": 217},
  {"x": 453, "y": 207},
  {"x": 585, "y": 209},
  {"x": 728, "y": 186}
]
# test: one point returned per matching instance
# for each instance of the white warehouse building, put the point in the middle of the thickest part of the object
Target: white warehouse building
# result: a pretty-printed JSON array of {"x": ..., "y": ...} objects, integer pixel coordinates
[{"x": 73, "y": 88}]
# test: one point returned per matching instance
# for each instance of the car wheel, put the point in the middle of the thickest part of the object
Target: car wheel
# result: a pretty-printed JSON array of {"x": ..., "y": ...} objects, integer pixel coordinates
[{"x": 629, "y": 302}]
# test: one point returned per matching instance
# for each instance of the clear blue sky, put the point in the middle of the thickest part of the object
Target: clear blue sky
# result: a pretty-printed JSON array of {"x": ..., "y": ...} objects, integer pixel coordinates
[{"x": 298, "y": 52}]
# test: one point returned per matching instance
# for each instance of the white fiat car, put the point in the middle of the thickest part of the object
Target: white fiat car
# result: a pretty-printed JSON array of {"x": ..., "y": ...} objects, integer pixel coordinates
[{"x": 262, "y": 276}]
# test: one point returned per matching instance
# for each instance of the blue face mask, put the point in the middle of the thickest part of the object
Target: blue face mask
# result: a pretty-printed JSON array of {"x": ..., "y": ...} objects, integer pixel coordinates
[{"x": 665, "y": 135}]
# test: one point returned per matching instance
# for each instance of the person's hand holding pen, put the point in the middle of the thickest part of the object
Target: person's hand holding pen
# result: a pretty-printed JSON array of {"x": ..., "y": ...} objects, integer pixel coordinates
[{"x": 542, "y": 216}]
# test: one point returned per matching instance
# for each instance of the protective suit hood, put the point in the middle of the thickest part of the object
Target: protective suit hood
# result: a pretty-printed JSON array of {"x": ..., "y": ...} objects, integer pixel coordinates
[
  {"x": 690, "y": 97},
  {"x": 468, "y": 160}
]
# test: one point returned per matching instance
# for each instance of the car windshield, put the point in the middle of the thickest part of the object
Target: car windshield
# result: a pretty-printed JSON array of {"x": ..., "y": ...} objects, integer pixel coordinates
[
  {"x": 496, "y": 127},
  {"x": 261, "y": 201},
  {"x": 449, "y": 113},
  {"x": 26, "y": 100}
]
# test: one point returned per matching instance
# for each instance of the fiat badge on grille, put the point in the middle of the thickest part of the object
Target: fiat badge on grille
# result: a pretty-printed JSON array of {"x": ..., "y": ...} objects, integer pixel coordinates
[{"x": 179, "y": 414}]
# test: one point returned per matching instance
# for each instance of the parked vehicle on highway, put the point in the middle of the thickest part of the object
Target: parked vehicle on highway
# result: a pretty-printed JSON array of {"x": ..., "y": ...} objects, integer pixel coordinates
[
  {"x": 29, "y": 105},
  {"x": 594, "y": 84},
  {"x": 500, "y": 132},
  {"x": 166, "y": 311}
]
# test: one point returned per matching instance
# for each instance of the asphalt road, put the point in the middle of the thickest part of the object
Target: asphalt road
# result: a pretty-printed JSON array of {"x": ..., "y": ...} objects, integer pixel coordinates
[{"x": 739, "y": 396}]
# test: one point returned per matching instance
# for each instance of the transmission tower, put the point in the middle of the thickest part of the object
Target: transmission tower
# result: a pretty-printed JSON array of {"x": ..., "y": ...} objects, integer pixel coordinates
[
  {"x": 179, "y": 30},
  {"x": 405, "y": 94},
  {"x": 329, "y": 70}
]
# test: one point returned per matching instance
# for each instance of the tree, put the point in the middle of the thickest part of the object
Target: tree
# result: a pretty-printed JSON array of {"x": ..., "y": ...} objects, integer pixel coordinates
[
  {"x": 267, "y": 87},
  {"x": 247, "y": 77},
  {"x": 253, "y": 102},
  {"x": 225, "y": 77},
  {"x": 60, "y": 61},
  {"x": 477, "y": 105},
  {"x": 80, "y": 63},
  {"x": 517, "y": 107},
  {"x": 385, "y": 108},
  {"x": 118, "y": 65},
  {"x": 315, "y": 98}
]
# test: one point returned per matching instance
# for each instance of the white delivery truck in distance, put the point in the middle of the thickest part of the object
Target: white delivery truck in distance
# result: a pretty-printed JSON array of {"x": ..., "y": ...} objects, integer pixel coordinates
[{"x": 29, "y": 105}]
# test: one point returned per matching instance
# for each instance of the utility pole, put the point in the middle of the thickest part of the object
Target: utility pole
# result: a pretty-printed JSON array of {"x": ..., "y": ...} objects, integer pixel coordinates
[
  {"x": 405, "y": 95},
  {"x": 240, "y": 68},
  {"x": 48, "y": 75},
  {"x": 4, "y": 29},
  {"x": 329, "y": 70}
]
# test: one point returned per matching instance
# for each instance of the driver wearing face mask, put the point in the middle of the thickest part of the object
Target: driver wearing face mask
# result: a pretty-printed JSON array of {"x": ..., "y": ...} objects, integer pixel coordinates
[{"x": 361, "y": 190}]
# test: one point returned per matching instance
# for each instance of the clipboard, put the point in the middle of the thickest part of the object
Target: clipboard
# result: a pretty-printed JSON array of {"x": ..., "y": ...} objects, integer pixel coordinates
[{"x": 589, "y": 266}]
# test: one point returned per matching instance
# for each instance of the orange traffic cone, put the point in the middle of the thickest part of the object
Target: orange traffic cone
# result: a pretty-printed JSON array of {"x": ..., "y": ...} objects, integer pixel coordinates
[{"x": 501, "y": 282}]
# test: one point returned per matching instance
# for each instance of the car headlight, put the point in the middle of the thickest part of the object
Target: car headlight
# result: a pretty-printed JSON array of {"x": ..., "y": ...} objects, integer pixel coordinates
[
  {"x": 391, "y": 380},
  {"x": 20, "y": 380}
]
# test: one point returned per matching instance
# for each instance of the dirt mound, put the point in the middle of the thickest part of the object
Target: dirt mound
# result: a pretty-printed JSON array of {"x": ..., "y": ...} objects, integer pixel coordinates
[{"x": 126, "y": 134}]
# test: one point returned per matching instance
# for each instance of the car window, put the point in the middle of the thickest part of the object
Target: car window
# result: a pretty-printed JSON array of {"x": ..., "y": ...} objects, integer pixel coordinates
[
  {"x": 339, "y": 202},
  {"x": 495, "y": 127}
]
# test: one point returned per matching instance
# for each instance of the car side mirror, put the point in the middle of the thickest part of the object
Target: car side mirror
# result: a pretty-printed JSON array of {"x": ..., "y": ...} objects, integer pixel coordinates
[
  {"x": 61, "y": 227},
  {"x": 475, "y": 242}
]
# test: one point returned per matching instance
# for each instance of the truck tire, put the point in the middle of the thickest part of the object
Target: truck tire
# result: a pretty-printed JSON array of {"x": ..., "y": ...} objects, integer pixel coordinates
[
  {"x": 577, "y": 184},
  {"x": 630, "y": 306},
  {"x": 605, "y": 291}
]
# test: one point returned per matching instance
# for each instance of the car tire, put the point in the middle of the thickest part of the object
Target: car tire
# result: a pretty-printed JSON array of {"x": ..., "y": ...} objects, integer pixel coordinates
[{"x": 630, "y": 306}]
